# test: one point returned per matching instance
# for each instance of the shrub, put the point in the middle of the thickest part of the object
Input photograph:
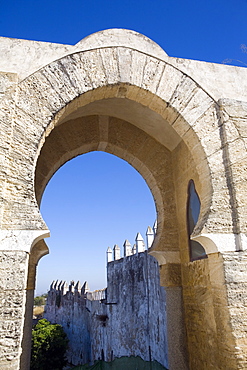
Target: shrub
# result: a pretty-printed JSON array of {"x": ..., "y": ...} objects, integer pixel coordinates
[
  {"x": 40, "y": 300},
  {"x": 49, "y": 344}
]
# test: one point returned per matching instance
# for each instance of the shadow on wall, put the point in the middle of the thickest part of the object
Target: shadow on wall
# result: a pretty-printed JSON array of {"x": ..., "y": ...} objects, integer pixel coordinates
[{"x": 123, "y": 363}]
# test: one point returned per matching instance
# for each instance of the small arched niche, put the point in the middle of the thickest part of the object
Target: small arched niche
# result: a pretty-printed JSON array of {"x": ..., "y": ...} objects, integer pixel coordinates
[{"x": 193, "y": 211}]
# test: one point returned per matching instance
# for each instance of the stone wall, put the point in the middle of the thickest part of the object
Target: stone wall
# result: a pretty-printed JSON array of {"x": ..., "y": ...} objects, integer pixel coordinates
[
  {"x": 12, "y": 299},
  {"x": 126, "y": 319},
  {"x": 173, "y": 120}
]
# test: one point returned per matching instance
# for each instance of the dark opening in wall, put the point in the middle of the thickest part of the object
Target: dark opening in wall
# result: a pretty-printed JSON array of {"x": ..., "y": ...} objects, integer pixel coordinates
[{"x": 193, "y": 210}]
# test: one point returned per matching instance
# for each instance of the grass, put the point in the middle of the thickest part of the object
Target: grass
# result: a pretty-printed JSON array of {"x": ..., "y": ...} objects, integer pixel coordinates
[{"x": 38, "y": 310}]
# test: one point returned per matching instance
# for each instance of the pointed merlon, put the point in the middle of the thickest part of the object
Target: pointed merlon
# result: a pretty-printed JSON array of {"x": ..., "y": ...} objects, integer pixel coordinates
[
  {"x": 155, "y": 227},
  {"x": 127, "y": 248},
  {"x": 52, "y": 285},
  {"x": 78, "y": 287},
  {"x": 64, "y": 288},
  {"x": 134, "y": 249},
  {"x": 85, "y": 288},
  {"x": 109, "y": 255},
  {"x": 72, "y": 286},
  {"x": 56, "y": 284},
  {"x": 140, "y": 246},
  {"x": 116, "y": 252},
  {"x": 150, "y": 236}
]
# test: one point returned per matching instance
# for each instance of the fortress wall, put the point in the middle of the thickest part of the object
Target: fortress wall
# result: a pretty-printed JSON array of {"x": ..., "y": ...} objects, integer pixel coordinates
[
  {"x": 69, "y": 310},
  {"x": 130, "y": 321}
]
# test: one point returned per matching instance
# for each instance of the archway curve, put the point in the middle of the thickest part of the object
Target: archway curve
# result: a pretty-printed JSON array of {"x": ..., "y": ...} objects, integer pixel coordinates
[
  {"x": 51, "y": 95},
  {"x": 104, "y": 133}
]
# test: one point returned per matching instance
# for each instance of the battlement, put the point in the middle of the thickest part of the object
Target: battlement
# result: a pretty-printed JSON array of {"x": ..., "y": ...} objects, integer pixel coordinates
[
  {"x": 62, "y": 288},
  {"x": 103, "y": 321},
  {"x": 129, "y": 250},
  {"x": 62, "y": 294}
]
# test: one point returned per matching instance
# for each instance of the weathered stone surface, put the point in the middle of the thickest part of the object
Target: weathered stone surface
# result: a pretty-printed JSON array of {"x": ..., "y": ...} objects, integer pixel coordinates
[
  {"x": 12, "y": 277},
  {"x": 174, "y": 121},
  {"x": 130, "y": 320},
  {"x": 235, "y": 265}
]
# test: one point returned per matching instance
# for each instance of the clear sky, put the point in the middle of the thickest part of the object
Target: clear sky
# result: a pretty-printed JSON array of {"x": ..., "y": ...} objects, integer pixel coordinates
[{"x": 97, "y": 200}]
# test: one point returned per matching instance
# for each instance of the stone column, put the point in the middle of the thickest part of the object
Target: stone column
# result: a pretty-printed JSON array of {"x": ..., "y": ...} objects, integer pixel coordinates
[
  {"x": 235, "y": 271},
  {"x": 170, "y": 279},
  {"x": 17, "y": 270}
]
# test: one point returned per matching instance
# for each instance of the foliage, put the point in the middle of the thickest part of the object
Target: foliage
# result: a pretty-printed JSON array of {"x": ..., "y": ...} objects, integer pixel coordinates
[
  {"x": 40, "y": 300},
  {"x": 49, "y": 344}
]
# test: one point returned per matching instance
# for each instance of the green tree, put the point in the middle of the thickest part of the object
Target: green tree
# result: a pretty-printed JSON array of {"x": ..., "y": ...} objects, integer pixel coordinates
[
  {"x": 40, "y": 300},
  {"x": 49, "y": 344}
]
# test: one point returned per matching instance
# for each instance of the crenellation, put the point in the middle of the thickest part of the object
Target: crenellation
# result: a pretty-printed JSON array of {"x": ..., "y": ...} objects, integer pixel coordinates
[
  {"x": 150, "y": 237},
  {"x": 104, "y": 319},
  {"x": 109, "y": 255},
  {"x": 85, "y": 288},
  {"x": 78, "y": 287},
  {"x": 127, "y": 248},
  {"x": 55, "y": 287},
  {"x": 140, "y": 245},
  {"x": 116, "y": 252},
  {"x": 64, "y": 287},
  {"x": 71, "y": 287}
]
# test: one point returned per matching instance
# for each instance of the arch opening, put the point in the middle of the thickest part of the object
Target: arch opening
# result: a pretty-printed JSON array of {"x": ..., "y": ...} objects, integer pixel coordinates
[
  {"x": 60, "y": 295},
  {"x": 81, "y": 133},
  {"x": 156, "y": 122},
  {"x": 154, "y": 136},
  {"x": 94, "y": 201}
]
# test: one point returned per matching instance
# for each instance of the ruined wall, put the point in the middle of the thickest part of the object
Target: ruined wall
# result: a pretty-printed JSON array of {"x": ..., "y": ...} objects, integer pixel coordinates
[{"x": 128, "y": 319}]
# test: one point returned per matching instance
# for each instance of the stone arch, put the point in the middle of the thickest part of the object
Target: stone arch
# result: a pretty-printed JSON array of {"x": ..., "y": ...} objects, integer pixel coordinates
[
  {"x": 181, "y": 127},
  {"x": 91, "y": 116},
  {"x": 157, "y": 85}
]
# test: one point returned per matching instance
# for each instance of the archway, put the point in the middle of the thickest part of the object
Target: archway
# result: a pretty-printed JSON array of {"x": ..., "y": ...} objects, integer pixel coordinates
[
  {"x": 110, "y": 133},
  {"x": 138, "y": 106},
  {"x": 92, "y": 123},
  {"x": 136, "y": 146}
]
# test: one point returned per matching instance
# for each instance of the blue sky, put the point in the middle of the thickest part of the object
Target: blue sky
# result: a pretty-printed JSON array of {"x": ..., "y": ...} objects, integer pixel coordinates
[
  {"x": 210, "y": 30},
  {"x": 93, "y": 202},
  {"x": 97, "y": 200}
]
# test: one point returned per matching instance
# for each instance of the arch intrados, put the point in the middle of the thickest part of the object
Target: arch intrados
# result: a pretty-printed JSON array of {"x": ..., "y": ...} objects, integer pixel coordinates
[
  {"x": 56, "y": 151},
  {"x": 102, "y": 100},
  {"x": 129, "y": 99}
]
